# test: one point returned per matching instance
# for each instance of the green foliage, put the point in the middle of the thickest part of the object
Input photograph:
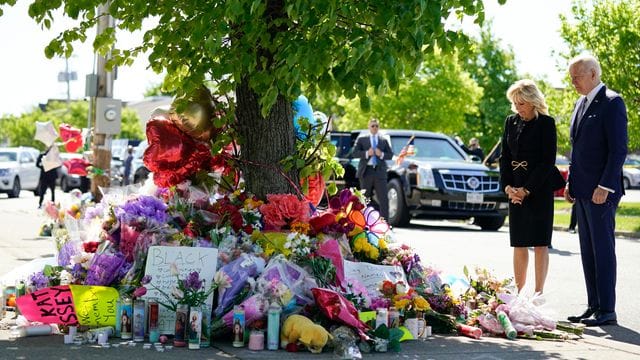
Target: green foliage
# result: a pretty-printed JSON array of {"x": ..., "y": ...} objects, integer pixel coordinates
[
  {"x": 610, "y": 30},
  {"x": 437, "y": 99},
  {"x": 493, "y": 69},
  {"x": 20, "y": 130}
]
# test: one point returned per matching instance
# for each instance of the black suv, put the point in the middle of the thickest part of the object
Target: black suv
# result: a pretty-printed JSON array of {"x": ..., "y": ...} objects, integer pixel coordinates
[{"x": 435, "y": 180}]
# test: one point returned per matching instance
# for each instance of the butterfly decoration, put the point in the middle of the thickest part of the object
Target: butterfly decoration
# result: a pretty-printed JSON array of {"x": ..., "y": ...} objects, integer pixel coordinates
[{"x": 369, "y": 221}]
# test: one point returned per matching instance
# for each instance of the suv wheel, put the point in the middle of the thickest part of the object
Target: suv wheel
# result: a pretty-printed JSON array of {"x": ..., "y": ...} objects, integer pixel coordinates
[
  {"x": 15, "y": 190},
  {"x": 398, "y": 211},
  {"x": 626, "y": 183},
  {"x": 490, "y": 223}
]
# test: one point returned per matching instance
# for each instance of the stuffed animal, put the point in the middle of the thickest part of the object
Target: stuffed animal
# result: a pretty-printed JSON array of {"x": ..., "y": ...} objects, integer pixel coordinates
[{"x": 298, "y": 328}]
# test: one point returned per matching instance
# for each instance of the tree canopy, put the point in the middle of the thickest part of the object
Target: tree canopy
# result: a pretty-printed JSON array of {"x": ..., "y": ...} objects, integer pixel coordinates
[
  {"x": 610, "y": 30},
  {"x": 268, "y": 52},
  {"x": 20, "y": 130}
]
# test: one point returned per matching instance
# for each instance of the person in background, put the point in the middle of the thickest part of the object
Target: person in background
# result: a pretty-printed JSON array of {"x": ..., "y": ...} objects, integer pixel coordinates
[
  {"x": 373, "y": 151},
  {"x": 127, "y": 165},
  {"x": 529, "y": 144},
  {"x": 47, "y": 179},
  {"x": 598, "y": 135},
  {"x": 473, "y": 148}
]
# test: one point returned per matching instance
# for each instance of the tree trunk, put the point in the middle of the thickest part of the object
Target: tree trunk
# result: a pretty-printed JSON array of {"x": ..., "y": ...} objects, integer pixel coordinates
[{"x": 264, "y": 143}]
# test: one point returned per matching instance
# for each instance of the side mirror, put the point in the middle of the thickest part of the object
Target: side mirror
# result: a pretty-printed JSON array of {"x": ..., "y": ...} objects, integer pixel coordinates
[{"x": 475, "y": 159}]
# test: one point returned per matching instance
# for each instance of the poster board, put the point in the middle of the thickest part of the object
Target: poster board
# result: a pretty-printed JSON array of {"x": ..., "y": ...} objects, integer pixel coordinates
[
  {"x": 187, "y": 260},
  {"x": 371, "y": 275}
]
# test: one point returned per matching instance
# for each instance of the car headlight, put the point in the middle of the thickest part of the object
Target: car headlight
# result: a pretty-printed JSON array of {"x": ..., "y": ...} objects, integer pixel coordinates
[{"x": 425, "y": 179}]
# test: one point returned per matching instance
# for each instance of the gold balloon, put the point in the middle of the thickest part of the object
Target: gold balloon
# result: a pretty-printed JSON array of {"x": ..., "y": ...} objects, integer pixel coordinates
[{"x": 195, "y": 114}]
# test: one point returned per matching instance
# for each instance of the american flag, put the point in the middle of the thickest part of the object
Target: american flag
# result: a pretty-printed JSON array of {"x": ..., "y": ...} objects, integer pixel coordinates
[{"x": 407, "y": 150}]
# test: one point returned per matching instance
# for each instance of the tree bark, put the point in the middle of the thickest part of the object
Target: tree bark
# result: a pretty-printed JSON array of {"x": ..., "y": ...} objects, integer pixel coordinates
[{"x": 264, "y": 143}]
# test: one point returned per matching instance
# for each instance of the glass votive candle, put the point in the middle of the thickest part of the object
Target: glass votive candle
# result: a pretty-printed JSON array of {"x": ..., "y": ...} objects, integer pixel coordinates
[{"x": 256, "y": 340}]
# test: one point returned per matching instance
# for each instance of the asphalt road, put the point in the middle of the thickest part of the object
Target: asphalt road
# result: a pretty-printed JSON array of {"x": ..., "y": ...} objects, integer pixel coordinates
[{"x": 448, "y": 246}]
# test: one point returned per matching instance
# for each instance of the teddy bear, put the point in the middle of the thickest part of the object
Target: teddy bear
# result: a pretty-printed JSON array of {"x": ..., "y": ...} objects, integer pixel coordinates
[{"x": 298, "y": 328}]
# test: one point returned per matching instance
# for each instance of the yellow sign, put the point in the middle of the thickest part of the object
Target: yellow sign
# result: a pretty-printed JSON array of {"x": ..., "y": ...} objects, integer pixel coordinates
[{"x": 95, "y": 305}]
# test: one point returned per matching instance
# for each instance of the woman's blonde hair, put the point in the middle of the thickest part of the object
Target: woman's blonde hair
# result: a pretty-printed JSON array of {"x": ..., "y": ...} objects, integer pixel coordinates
[{"x": 527, "y": 91}]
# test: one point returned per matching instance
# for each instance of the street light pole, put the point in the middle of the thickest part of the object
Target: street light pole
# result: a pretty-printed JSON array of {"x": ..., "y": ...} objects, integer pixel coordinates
[{"x": 102, "y": 142}]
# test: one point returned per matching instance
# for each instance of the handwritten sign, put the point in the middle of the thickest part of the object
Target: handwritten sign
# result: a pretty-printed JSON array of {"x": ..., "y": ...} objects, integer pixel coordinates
[
  {"x": 371, "y": 275},
  {"x": 52, "y": 305},
  {"x": 95, "y": 305},
  {"x": 187, "y": 260},
  {"x": 70, "y": 305}
]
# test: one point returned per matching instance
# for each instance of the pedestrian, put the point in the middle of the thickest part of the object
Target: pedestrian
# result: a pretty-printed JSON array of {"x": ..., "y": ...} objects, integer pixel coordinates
[
  {"x": 473, "y": 148},
  {"x": 47, "y": 179},
  {"x": 127, "y": 165},
  {"x": 373, "y": 151},
  {"x": 527, "y": 166},
  {"x": 598, "y": 135}
]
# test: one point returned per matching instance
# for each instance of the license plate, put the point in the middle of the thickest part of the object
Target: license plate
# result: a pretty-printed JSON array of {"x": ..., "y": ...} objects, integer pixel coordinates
[{"x": 475, "y": 198}]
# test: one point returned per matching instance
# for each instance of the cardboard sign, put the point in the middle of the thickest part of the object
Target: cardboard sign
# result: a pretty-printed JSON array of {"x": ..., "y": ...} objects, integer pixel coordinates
[
  {"x": 371, "y": 275},
  {"x": 95, "y": 305},
  {"x": 70, "y": 305},
  {"x": 52, "y": 305},
  {"x": 187, "y": 260}
]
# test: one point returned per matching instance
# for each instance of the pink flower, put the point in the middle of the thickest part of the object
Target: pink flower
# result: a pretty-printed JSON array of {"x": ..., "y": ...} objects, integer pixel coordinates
[
  {"x": 139, "y": 292},
  {"x": 284, "y": 209}
]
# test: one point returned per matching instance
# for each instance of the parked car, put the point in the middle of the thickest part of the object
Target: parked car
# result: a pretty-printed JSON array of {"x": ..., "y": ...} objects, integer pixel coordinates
[
  {"x": 439, "y": 181},
  {"x": 631, "y": 173},
  {"x": 139, "y": 171},
  {"x": 73, "y": 172},
  {"x": 18, "y": 170},
  {"x": 562, "y": 163}
]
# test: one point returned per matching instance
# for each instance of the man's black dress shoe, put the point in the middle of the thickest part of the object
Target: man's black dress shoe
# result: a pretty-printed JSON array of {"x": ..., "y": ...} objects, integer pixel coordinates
[
  {"x": 601, "y": 318},
  {"x": 587, "y": 314}
]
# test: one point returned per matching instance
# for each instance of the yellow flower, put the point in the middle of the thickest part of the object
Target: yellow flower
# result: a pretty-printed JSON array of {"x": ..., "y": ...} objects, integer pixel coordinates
[
  {"x": 401, "y": 304},
  {"x": 373, "y": 252},
  {"x": 421, "y": 304},
  {"x": 300, "y": 227},
  {"x": 382, "y": 244}
]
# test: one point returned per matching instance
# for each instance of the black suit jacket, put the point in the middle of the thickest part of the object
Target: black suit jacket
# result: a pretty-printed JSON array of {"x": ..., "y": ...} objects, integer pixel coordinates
[
  {"x": 363, "y": 143},
  {"x": 599, "y": 146}
]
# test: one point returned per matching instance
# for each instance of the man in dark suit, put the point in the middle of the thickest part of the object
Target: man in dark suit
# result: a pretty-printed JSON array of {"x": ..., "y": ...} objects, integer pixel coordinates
[
  {"x": 373, "y": 151},
  {"x": 598, "y": 136}
]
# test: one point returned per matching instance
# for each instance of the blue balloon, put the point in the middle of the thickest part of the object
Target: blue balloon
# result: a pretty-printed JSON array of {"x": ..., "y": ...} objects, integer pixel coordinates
[{"x": 302, "y": 108}]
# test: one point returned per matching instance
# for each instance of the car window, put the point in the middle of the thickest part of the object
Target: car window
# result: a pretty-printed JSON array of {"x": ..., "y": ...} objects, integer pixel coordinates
[
  {"x": 632, "y": 162},
  {"x": 562, "y": 160},
  {"x": 428, "y": 148},
  {"x": 26, "y": 157},
  {"x": 8, "y": 156}
]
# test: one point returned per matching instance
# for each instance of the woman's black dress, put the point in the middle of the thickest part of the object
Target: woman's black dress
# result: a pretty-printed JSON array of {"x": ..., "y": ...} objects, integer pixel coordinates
[{"x": 528, "y": 160}]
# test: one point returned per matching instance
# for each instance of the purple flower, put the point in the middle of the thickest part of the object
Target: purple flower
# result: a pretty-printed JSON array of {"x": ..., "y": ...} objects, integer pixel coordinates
[
  {"x": 38, "y": 280},
  {"x": 145, "y": 280},
  {"x": 193, "y": 281},
  {"x": 143, "y": 210},
  {"x": 104, "y": 269}
]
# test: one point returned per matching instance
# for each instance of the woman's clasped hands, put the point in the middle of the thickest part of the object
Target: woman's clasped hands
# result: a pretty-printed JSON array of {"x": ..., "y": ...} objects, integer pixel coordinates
[{"x": 516, "y": 194}]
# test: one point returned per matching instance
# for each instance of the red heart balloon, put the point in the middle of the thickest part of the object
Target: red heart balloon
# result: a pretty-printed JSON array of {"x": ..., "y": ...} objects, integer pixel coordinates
[{"x": 172, "y": 155}]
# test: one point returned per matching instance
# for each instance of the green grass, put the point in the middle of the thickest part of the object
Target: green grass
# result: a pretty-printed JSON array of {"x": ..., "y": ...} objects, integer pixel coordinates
[{"x": 627, "y": 216}]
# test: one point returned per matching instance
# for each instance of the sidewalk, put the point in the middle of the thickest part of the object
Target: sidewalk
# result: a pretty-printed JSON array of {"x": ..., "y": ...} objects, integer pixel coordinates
[{"x": 596, "y": 344}]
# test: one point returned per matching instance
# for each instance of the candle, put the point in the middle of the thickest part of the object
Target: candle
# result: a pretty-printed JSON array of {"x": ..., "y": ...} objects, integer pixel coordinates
[
  {"x": 470, "y": 331},
  {"x": 256, "y": 340},
  {"x": 504, "y": 321},
  {"x": 102, "y": 338}
]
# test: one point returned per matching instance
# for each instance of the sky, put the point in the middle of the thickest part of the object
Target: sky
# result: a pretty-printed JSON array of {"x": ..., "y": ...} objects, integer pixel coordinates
[{"x": 28, "y": 78}]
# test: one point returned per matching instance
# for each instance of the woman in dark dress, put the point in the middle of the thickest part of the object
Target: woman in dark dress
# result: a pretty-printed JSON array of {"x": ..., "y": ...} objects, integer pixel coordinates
[{"x": 526, "y": 167}]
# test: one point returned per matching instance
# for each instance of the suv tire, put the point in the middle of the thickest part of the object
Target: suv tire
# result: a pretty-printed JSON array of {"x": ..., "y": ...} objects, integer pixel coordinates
[
  {"x": 15, "y": 190},
  {"x": 490, "y": 223},
  {"x": 626, "y": 183},
  {"x": 398, "y": 211}
]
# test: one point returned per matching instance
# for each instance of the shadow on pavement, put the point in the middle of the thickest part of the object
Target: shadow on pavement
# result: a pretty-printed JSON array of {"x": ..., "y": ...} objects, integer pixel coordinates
[{"x": 616, "y": 333}]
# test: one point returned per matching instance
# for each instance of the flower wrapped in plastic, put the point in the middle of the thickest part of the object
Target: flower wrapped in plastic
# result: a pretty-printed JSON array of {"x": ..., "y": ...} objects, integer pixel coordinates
[
  {"x": 337, "y": 308},
  {"x": 291, "y": 283},
  {"x": 235, "y": 275}
]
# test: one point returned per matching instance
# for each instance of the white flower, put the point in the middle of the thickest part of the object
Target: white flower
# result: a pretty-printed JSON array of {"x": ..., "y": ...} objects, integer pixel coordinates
[
  {"x": 174, "y": 269},
  {"x": 177, "y": 293}
]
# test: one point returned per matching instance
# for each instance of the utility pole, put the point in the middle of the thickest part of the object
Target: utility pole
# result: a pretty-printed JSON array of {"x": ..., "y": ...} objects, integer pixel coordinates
[{"x": 104, "y": 91}]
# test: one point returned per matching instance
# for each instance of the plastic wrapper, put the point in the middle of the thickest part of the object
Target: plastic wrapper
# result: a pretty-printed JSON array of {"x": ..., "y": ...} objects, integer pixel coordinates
[
  {"x": 338, "y": 309},
  {"x": 292, "y": 276},
  {"x": 489, "y": 322},
  {"x": 238, "y": 272},
  {"x": 345, "y": 343},
  {"x": 525, "y": 311},
  {"x": 330, "y": 249}
]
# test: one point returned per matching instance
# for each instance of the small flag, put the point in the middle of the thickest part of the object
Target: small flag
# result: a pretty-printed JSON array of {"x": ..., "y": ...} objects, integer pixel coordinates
[{"x": 407, "y": 150}]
